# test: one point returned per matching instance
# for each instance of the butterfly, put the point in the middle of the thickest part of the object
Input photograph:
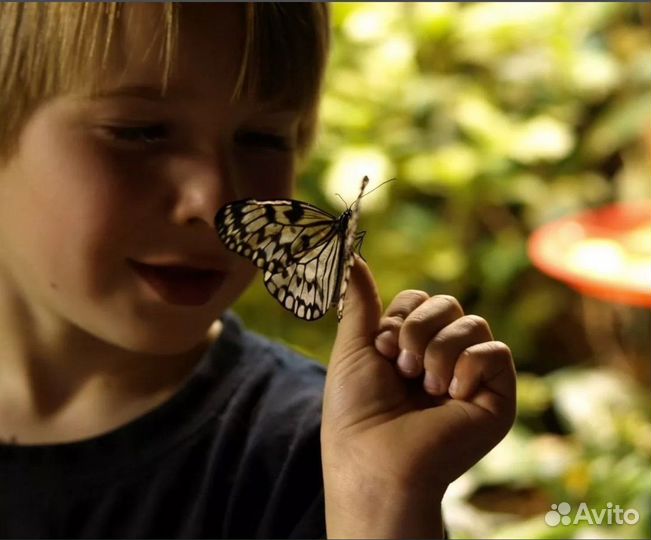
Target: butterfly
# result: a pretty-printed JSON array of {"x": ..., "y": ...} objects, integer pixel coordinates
[{"x": 305, "y": 253}]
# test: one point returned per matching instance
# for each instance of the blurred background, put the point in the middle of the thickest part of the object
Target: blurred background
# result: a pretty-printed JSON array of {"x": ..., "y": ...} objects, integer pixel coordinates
[{"x": 498, "y": 119}]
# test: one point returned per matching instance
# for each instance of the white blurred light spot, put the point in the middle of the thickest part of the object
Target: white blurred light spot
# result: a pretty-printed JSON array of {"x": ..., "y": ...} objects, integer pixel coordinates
[
  {"x": 607, "y": 260},
  {"x": 597, "y": 257},
  {"x": 369, "y": 22},
  {"x": 590, "y": 402},
  {"x": 347, "y": 170},
  {"x": 488, "y": 17},
  {"x": 397, "y": 51},
  {"x": 595, "y": 73},
  {"x": 542, "y": 138}
]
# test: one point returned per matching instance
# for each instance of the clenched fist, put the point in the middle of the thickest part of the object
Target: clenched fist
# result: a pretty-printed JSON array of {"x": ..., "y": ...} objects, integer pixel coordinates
[{"x": 414, "y": 397}]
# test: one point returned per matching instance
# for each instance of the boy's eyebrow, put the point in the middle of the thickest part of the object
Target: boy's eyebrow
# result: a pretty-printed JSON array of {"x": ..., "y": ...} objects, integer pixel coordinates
[
  {"x": 145, "y": 91},
  {"x": 154, "y": 93}
]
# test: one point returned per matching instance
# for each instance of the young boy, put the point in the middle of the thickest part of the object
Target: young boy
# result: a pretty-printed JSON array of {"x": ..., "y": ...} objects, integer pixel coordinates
[{"x": 132, "y": 404}]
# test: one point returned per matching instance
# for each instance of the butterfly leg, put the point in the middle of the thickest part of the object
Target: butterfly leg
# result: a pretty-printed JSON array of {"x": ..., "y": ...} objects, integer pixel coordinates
[{"x": 357, "y": 245}]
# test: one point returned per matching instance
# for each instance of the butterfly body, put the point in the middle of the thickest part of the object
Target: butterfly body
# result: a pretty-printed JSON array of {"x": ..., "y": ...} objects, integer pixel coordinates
[{"x": 305, "y": 253}]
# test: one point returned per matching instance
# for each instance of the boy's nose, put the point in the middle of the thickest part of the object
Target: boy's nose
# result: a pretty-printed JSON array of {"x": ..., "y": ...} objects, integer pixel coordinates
[{"x": 202, "y": 191}]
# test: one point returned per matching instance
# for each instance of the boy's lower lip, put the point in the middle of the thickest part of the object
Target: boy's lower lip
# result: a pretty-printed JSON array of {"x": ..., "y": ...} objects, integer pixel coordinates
[{"x": 178, "y": 285}]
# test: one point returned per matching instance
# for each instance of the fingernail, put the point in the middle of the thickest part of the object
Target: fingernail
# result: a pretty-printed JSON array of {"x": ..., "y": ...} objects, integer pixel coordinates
[
  {"x": 408, "y": 361},
  {"x": 454, "y": 386},
  {"x": 386, "y": 345},
  {"x": 433, "y": 383}
]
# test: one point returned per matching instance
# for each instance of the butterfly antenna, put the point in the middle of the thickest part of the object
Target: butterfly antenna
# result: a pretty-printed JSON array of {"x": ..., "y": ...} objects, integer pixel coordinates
[
  {"x": 342, "y": 199},
  {"x": 378, "y": 187}
]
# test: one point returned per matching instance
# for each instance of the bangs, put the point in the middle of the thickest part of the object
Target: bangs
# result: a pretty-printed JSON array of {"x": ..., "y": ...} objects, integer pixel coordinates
[
  {"x": 48, "y": 48},
  {"x": 284, "y": 53},
  {"x": 52, "y": 47}
]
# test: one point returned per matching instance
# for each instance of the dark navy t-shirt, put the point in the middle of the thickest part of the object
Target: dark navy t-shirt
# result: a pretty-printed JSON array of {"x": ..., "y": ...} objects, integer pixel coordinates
[{"x": 234, "y": 454}]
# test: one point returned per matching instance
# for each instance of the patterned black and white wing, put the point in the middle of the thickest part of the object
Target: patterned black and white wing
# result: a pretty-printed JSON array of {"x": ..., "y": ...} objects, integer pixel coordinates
[
  {"x": 270, "y": 233},
  {"x": 308, "y": 286},
  {"x": 304, "y": 252},
  {"x": 294, "y": 243}
]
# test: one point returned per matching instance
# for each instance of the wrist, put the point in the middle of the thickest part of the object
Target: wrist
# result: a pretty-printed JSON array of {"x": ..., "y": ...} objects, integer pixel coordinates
[{"x": 359, "y": 506}]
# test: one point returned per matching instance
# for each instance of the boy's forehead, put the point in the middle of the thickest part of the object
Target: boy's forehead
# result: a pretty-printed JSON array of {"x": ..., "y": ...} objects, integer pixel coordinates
[
  {"x": 275, "y": 111},
  {"x": 207, "y": 58}
]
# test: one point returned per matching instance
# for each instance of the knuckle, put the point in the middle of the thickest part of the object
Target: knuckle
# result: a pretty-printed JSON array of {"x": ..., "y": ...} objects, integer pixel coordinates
[
  {"x": 411, "y": 299},
  {"x": 495, "y": 350},
  {"x": 405, "y": 302},
  {"x": 392, "y": 323},
  {"x": 475, "y": 322},
  {"x": 415, "y": 294},
  {"x": 500, "y": 348},
  {"x": 417, "y": 319},
  {"x": 449, "y": 303},
  {"x": 417, "y": 316},
  {"x": 437, "y": 343}
]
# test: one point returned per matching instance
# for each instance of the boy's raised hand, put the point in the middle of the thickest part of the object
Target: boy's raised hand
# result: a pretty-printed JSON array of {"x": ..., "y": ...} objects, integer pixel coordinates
[{"x": 391, "y": 447}]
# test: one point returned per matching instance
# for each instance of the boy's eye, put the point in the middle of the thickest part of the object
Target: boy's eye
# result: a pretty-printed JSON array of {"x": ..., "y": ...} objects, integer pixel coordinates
[
  {"x": 257, "y": 139},
  {"x": 144, "y": 134}
]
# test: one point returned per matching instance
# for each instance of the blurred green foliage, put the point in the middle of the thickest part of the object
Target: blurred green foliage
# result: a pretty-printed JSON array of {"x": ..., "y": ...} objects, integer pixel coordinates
[{"x": 494, "y": 118}]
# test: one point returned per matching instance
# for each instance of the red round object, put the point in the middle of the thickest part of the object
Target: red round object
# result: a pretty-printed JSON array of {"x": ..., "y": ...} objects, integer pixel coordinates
[{"x": 604, "y": 253}]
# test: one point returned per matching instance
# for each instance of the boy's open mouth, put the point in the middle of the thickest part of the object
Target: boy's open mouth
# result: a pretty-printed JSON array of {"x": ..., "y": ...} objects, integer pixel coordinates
[{"x": 180, "y": 285}]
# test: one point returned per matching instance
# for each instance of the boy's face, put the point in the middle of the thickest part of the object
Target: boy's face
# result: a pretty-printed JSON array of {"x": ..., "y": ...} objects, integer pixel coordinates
[{"x": 100, "y": 187}]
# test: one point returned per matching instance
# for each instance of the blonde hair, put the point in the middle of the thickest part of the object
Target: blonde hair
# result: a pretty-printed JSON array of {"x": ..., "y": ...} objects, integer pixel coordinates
[{"x": 47, "y": 48}]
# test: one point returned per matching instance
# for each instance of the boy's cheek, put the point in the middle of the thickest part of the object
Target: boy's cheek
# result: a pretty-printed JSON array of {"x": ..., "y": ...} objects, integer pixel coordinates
[
  {"x": 267, "y": 176},
  {"x": 239, "y": 278}
]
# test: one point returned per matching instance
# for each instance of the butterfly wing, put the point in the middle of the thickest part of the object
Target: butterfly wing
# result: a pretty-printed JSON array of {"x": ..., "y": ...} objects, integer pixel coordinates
[
  {"x": 271, "y": 233},
  {"x": 294, "y": 243},
  {"x": 308, "y": 285},
  {"x": 305, "y": 253}
]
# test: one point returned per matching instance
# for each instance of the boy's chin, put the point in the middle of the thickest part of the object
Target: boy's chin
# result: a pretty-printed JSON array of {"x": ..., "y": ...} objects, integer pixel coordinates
[
  {"x": 166, "y": 341},
  {"x": 170, "y": 346}
]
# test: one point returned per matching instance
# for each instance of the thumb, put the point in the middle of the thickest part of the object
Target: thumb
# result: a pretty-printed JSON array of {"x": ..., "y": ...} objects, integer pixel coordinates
[{"x": 362, "y": 311}]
